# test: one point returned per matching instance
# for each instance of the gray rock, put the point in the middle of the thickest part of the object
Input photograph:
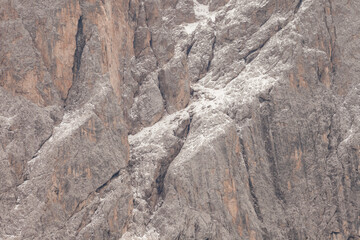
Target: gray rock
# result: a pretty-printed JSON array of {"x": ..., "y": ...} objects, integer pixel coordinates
[
  {"x": 174, "y": 84},
  {"x": 148, "y": 107},
  {"x": 189, "y": 119}
]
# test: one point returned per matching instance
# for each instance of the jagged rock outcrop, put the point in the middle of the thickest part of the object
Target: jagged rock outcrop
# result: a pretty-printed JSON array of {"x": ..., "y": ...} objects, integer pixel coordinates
[{"x": 186, "y": 119}]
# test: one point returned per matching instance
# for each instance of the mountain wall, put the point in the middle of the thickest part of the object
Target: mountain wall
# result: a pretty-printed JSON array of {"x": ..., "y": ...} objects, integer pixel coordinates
[{"x": 180, "y": 119}]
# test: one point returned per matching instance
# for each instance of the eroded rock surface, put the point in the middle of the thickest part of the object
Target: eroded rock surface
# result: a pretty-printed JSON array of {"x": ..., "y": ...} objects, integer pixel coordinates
[{"x": 186, "y": 119}]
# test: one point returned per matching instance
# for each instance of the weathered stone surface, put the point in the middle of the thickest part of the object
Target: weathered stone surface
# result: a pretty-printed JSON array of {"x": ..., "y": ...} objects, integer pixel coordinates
[
  {"x": 188, "y": 119},
  {"x": 174, "y": 84},
  {"x": 148, "y": 105}
]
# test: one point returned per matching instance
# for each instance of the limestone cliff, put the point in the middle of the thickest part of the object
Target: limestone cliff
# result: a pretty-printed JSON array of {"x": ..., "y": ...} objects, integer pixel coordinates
[{"x": 180, "y": 119}]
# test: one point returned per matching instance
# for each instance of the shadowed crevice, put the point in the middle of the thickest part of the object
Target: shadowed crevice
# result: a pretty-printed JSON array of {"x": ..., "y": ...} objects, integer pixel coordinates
[
  {"x": 80, "y": 44},
  {"x": 251, "y": 186},
  {"x": 115, "y": 175},
  {"x": 252, "y": 54},
  {"x": 298, "y": 5},
  {"x": 159, "y": 182},
  {"x": 212, "y": 55}
]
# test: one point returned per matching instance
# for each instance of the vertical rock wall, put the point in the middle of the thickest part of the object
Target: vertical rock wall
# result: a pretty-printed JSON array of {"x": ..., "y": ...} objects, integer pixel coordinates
[{"x": 188, "y": 119}]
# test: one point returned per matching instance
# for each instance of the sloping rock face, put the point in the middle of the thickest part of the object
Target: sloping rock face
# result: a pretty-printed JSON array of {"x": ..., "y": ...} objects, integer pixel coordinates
[{"x": 186, "y": 119}]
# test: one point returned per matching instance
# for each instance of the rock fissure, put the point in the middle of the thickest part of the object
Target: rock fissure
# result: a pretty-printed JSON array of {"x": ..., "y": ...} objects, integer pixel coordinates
[
  {"x": 41, "y": 145},
  {"x": 151, "y": 38},
  {"x": 93, "y": 194},
  {"x": 298, "y": 5},
  {"x": 332, "y": 36},
  {"x": 80, "y": 40},
  {"x": 164, "y": 166},
  {"x": 254, "y": 198},
  {"x": 252, "y": 54},
  {"x": 104, "y": 185},
  {"x": 188, "y": 49},
  {"x": 212, "y": 55}
]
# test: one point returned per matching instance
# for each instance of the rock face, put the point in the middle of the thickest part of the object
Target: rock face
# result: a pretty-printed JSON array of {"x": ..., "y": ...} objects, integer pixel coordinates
[{"x": 186, "y": 119}]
